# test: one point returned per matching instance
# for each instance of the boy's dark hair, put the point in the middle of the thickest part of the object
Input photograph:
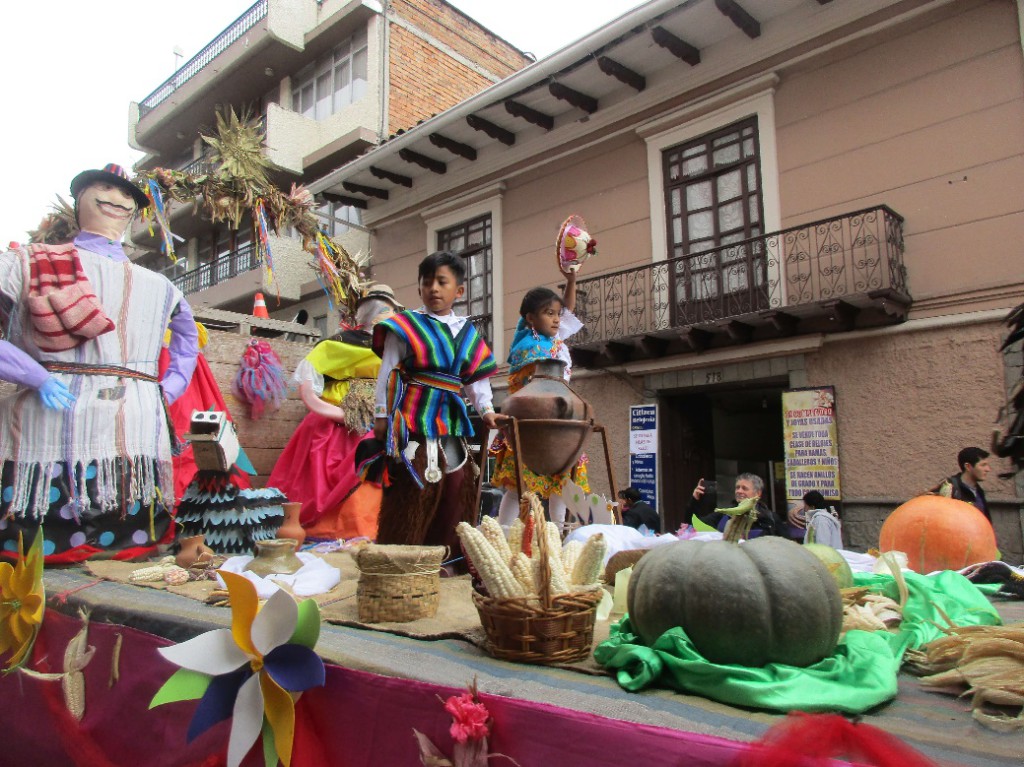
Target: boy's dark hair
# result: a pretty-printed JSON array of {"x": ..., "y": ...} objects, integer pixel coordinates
[
  {"x": 630, "y": 494},
  {"x": 536, "y": 299},
  {"x": 814, "y": 500},
  {"x": 433, "y": 262},
  {"x": 971, "y": 455}
]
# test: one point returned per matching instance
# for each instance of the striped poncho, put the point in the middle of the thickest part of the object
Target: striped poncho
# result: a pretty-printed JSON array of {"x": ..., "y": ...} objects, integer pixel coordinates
[{"x": 426, "y": 389}]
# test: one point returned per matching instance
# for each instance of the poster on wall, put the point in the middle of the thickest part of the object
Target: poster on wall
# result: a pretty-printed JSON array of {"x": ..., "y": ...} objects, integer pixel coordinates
[
  {"x": 811, "y": 442},
  {"x": 643, "y": 451}
]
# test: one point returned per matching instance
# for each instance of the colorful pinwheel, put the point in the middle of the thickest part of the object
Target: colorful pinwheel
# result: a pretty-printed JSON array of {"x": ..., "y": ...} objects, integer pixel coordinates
[
  {"x": 250, "y": 672},
  {"x": 22, "y": 600}
]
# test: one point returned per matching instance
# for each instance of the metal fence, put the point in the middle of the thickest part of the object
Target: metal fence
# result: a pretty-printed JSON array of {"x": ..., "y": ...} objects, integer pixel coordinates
[
  {"x": 855, "y": 253},
  {"x": 224, "y": 268},
  {"x": 195, "y": 65}
]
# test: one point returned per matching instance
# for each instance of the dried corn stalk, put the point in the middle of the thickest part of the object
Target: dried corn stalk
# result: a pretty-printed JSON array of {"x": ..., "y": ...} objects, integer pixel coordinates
[{"x": 986, "y": 660}]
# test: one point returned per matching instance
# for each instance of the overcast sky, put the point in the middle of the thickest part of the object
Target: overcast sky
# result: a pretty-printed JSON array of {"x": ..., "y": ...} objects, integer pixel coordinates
[{"x": 71, "y": 68}]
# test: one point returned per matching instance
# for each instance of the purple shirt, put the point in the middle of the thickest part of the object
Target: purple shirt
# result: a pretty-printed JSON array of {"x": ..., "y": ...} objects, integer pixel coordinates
[{"x": 19, "y": 368}]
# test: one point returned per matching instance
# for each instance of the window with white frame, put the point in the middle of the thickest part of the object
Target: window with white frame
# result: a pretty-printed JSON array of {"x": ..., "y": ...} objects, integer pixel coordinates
[
  {"x": 333, "y": 81},
  {"x": 472, "y": 241},
  {"x": 335, "y": 218}
]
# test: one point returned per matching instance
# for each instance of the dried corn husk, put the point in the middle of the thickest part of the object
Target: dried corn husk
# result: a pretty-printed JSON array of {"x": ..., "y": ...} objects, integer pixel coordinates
[{"x": 986, "y": 660}]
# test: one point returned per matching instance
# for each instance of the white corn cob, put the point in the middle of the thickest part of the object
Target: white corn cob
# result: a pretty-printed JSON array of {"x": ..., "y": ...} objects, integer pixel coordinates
[
  {"x": 571, "y": 555},
  {"x": 555, "y": 550},
  {"x": 148, "y": 574},
  {"x": 495, "y": 574},
  {"x": 175, "y": 576},
  {"x": 556, "y": 581},
  {"x": 523, "y": 572},
  {"x": 496, "y": 537},
  {"x": 588, "y": 567},
  {"x": 515, "y": 535}
]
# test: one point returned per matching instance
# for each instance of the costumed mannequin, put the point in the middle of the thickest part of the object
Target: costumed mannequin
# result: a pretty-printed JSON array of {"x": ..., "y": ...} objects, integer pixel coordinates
[
  {"x": 85, "y": 442},
  {"x": 317, "y": 468}
]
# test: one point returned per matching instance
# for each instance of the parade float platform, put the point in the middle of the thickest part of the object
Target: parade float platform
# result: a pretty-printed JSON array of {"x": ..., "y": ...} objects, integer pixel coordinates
[{"x": 381, "y": 684}]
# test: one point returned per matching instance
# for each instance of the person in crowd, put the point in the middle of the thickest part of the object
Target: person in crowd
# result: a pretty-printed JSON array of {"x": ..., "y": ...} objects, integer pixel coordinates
[
  {"x": 636, "y": 511},
  {"x": 337, "y": 385},
  {"x": 816, "y": 519},
  {"x": 430, "y": 357},
  {"x": 85, "y": 441},
  {"x": 747, "y": 486},
  {"x": 545, "y": 322},
  {"x": 966, "y": 485}
]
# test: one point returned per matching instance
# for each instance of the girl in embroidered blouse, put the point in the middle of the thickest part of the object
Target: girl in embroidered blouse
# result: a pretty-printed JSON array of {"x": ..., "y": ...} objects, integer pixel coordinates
[{"x": 546, "y": 322}]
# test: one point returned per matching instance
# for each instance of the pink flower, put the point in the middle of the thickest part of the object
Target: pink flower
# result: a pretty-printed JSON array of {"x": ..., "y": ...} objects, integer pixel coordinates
[{"x": 470, "y": 719}]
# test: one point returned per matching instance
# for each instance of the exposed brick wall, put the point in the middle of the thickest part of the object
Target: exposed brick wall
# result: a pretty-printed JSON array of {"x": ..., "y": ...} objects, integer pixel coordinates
[{"x": 424, "y": 79}]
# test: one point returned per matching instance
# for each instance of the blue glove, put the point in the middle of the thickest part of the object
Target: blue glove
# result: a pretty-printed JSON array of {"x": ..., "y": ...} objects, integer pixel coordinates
[{"x": 55, "y": 395}]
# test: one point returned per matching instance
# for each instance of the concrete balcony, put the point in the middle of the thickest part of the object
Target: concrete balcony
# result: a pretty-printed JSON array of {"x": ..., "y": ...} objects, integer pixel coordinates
[{"x": 832, "y": 275}]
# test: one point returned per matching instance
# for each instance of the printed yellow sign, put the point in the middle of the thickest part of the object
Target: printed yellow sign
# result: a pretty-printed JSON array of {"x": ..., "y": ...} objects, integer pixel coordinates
[{"x": 812, "y": 447}]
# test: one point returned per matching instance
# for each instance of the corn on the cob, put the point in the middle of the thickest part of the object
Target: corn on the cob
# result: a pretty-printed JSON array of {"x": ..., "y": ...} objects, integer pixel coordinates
[
  {"x": 495, "y": 574},
  {"x": 515, "y": 535},
  {"x": 523, "y": 572},
  {"x": 496, "y": 537},
  {"x": 149, "y": 574},
  {"x": 570, "y": 555},
  {"x": 175, "y": 576},
  {"x": 555, "y": 551},
  {"x": 588, "y": 567},
  {"x": 557, "y": 580}
]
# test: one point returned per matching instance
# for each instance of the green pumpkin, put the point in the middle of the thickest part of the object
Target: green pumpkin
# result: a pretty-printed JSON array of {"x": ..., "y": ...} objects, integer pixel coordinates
[
  {"x": 764, "y": 601},
  {"x": 835, "y": 563}
]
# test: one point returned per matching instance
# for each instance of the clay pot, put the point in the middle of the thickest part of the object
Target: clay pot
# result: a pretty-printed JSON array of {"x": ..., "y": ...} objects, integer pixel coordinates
[
  {"x": 193, "y": 549},
  {"x": 554, "y": 421},
  {"x": 291, "y": 527},
  {"x": 274, "y": 557}
]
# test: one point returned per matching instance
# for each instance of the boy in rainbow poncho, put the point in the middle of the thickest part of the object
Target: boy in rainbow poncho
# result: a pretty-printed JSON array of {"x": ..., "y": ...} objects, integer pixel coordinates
[{"x": 429, "y": 357}]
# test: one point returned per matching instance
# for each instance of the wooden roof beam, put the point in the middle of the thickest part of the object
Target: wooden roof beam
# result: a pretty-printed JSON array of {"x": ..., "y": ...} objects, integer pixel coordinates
[
  {"x": 368, "y": 191},
  {"x": 541, "y": 120},
  {"x": 496, "y": 132},
  {"x": 740, "y": 332},
  {"x": 428, "y": 163},
  {"x": 341, "y": 199},
  {"x": 579, "y": 100},
  {"x": 697, "y": 339},
  {"x": 455, "y": 147},
  {"x": 623, "y": 73},
  {"x": 739, "y": 16},
  {"x": 394, "y": 178},
  {"x": 676, "y": 46}
]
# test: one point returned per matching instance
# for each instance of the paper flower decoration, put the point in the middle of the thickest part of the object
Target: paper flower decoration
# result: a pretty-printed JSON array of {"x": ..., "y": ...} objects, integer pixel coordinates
[
  {"x": 22, "y": 600},
  {"x": 470, "y": 728},
  {"x": 250, "y": 672},
  {"x": 574, "y": 244}
]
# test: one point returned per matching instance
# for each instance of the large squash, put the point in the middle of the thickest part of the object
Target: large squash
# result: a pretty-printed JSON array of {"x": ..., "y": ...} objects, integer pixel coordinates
[
  {"x": 939, "y": 533},
  {"x": 764, "y": 601}
]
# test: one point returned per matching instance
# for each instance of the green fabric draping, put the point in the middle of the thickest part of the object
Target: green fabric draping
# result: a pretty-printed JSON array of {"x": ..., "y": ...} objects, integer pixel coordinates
[{"x": 859, "y": 675}]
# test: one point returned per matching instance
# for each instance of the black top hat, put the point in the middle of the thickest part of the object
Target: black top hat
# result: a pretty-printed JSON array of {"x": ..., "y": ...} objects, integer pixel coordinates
[{"x": 112, "y": 174}]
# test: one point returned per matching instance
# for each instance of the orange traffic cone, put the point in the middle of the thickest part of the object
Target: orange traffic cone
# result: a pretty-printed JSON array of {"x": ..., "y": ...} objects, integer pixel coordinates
[{"x": 259, "y": 308}]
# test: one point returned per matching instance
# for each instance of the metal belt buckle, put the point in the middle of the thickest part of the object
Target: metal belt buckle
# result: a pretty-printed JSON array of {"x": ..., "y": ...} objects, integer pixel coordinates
[{"x": 433, "y": 472}]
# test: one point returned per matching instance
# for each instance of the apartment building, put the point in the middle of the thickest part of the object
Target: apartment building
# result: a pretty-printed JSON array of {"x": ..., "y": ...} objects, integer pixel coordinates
[
  {"x": 328, "y": 79},
  {"x": 793, "y": 199}
]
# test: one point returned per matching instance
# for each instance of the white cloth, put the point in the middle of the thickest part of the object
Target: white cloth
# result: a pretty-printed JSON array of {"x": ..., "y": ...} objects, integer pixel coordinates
[
  {"x": 395, "y": 350},
  {"x": 619, "y": 538},
  {"x": 568, "y": 326},
  {"x": 314, "y": 577},
  {"x": 304, "y": 372}
]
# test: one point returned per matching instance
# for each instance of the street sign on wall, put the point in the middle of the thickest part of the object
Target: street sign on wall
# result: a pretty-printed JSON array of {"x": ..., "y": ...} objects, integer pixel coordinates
[
  {"x": 811, "y": 442},
  {"x": 643, "y": 451}
]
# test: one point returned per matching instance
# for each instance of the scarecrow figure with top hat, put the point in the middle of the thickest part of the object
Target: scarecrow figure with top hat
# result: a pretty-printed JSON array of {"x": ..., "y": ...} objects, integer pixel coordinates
[
  {"x": 85, "y": 447},
  {"x": 318, "y": 467}
]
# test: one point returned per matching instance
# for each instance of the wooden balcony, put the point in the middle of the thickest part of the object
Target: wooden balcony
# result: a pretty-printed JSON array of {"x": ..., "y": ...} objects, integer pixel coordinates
[{"x": 832, "y": 275}]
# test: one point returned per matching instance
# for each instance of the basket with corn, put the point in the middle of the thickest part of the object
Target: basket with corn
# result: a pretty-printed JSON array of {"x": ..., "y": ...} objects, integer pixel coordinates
[{"x": 540, "y": 601}]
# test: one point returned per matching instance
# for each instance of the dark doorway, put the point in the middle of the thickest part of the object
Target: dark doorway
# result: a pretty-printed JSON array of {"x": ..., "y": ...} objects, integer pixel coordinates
[{"x": 717, "y": 434}]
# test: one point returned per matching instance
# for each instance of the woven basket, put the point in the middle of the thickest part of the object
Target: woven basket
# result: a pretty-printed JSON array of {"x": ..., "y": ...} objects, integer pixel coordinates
[
  {"x": 398, "y": 584},
  {"x": 522, "y": 630}
]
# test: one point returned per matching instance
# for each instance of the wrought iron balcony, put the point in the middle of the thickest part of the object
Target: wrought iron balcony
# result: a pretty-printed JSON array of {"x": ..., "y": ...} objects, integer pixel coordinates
[
  {"x": 195, "y": 65},
  {"x": 238, "y": 261},
  {"x": 834, "y": 274}
]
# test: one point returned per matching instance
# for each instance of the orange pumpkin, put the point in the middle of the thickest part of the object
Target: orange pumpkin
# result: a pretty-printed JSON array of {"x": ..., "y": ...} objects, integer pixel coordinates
[{"x": 939, "y": 533}]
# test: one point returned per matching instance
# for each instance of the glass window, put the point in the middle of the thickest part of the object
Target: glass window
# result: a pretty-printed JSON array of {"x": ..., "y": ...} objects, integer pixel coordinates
[
  {"x": 713, "y": 198},
  {"x": 335, "y": 218},
  {"x": 333, "y": 81},
  {"x": 472, "y": 240}
]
